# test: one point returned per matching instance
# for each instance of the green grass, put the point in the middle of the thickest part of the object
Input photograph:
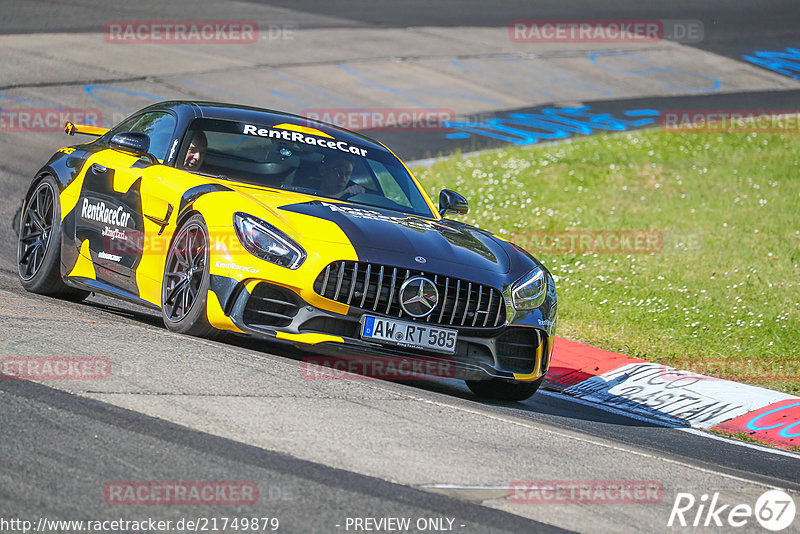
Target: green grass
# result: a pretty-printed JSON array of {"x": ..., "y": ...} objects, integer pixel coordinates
[
  {"x": 722, "y": 297},
  {"x": 743, "y": 436}
]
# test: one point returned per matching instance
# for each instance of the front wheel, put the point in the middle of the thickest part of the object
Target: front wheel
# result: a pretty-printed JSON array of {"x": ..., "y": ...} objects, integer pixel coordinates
[
  {"x": 39, "y": 244},
  {"x": 184, "y": 290},
  {"x": 504, "y": 390}
]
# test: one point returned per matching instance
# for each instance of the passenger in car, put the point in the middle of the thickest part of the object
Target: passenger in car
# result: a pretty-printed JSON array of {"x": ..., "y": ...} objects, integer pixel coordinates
[{"x": 335, "y": 171}]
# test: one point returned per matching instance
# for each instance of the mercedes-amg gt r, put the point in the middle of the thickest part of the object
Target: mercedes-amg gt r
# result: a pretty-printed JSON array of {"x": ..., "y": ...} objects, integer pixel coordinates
[{"x": 236, "y": 219}]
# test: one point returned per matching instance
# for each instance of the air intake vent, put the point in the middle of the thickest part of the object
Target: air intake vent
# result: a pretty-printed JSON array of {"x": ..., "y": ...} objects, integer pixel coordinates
[{"x": 270, "y": 306}]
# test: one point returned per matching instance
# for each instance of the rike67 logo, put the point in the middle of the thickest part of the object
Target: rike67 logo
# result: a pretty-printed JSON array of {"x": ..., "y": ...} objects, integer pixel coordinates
[{"x": 774, "y": 510}]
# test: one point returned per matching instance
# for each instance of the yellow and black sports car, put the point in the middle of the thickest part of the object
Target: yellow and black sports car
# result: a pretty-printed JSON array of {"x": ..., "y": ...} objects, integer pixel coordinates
[{"x": 236, "y": 219}]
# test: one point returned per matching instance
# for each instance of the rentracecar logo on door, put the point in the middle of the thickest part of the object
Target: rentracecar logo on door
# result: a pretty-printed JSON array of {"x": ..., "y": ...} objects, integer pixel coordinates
[{"x": 102, "y": 213}]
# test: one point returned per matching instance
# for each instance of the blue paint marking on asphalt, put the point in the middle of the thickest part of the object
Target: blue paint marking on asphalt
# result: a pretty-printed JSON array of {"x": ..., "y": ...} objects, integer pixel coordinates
[
  {"x": 37, "y": 102},
  {"x": 92, "y": 88},
  {"x": 289, "y": 98},
  {"x": 313, "y": 89},
  {"x": 293, "y": 101},
  {"x": 786, "y": 62},
  {"x": 405, "y": 93},
  {"x": 367, "y": 82},
  {"x": 222, "y": 92},
  {"x": 715, "y": 83},
  {"x": 550, "y": 124},
  {"x": 507, "y": 82},
  {"x": 565, "y": 80},
  {"x": 638, "y": 112}
]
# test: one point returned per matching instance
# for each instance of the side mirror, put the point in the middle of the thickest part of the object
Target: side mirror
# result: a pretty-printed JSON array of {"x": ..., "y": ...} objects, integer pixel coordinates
[
  {"x": 136, "y": 143},
  {"x": 452, "y": 201}
]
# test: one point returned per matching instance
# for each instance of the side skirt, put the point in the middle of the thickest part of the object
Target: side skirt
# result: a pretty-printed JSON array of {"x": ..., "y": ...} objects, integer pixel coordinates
[{"x": 105, "y": 289}]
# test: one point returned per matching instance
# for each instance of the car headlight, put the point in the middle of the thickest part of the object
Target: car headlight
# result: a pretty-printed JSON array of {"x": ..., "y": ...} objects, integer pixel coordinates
[
  {"x": 529, "y": 291},
  {"x": 263, "y": 240}
]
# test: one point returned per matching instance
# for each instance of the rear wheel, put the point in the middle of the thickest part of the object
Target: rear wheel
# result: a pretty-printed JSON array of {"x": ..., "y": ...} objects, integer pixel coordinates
[
  {"x": 39, "y": 244},
  {"x": 504, "y": 390},
  {"x": 186, "y": 279}
]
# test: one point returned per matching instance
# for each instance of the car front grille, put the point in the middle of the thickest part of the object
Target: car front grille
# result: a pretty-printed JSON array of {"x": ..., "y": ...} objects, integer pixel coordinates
[{"x": 374, "y": 287}]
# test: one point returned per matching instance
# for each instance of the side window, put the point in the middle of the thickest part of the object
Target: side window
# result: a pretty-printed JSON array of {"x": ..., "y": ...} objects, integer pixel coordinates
[{"x": 159, "y": 126}]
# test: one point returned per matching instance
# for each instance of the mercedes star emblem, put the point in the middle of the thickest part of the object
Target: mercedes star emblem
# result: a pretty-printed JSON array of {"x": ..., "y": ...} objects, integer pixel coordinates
[{"x": 418, "y": 296}]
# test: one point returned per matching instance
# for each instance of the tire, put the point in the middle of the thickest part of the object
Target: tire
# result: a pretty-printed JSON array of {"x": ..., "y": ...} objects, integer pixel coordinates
[
  {"x": 184, "y": 289},
  {"x": 39, "y": 244},
  {"x": 504, "y": 390},
  {"x": 16, "y": 218}
]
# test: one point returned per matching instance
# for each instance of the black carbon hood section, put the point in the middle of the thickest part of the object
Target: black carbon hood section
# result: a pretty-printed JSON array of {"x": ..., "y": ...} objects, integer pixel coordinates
[{"x": 385, "y": 236}]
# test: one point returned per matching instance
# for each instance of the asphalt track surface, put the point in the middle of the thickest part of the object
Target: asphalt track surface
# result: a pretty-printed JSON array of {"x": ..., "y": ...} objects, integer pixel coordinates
[
  {"x": 178, "y": 408},
  {"x": 730, "y": 27}
]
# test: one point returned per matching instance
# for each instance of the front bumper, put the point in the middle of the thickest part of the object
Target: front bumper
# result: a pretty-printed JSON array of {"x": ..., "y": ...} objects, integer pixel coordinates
[{"x": 517, "y": 351}]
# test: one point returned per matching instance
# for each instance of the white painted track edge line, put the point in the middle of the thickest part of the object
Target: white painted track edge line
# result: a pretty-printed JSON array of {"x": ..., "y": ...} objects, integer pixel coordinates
[{"x": 690, "y": 430}]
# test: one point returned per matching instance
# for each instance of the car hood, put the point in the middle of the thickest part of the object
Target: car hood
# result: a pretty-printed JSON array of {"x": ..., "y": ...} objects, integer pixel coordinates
[
  {"x": 389, "y": 237},
  {"x": 394, "y": 238}
]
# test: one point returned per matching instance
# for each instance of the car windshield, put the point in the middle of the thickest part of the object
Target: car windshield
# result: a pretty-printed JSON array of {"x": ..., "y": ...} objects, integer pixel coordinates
[{"x": 303, "y": 159}]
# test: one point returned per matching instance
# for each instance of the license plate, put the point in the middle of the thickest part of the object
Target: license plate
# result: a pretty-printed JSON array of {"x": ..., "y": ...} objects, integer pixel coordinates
[{"x": 414, "y": 335}]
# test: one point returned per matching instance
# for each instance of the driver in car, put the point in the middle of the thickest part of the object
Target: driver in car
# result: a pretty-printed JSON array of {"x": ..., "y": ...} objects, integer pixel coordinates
[
  {"x": 196, "y": 152},
  {"x": 335, "y": 172}
]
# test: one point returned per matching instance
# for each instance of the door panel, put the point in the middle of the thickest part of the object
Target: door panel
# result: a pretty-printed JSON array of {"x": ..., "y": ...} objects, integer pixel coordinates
[
  {"x": 109, "y": 217},
  {"x": 127, "y": 213}
]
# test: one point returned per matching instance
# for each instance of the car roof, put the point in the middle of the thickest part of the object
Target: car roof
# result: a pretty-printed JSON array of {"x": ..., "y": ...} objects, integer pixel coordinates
[{"x": 240, "y": 113}]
